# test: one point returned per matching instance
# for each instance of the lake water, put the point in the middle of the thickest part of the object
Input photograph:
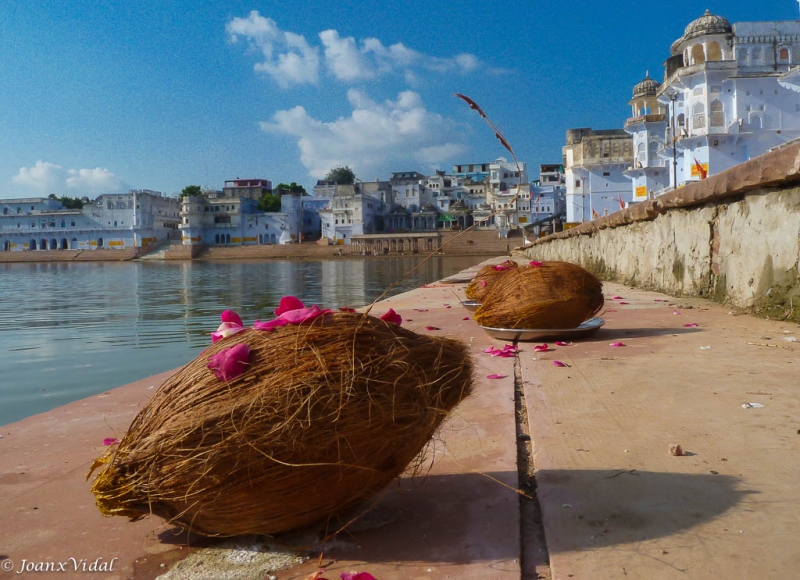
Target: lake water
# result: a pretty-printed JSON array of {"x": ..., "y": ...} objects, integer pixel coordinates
[{"x": 70, "y": 330}]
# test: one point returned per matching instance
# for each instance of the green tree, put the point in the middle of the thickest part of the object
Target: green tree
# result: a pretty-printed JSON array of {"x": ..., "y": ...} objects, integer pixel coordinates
[
  {"x": 341, "y": 176},
  {"x": 67, "y": 202},
  {"x": 270, "y": 202},
  {"x": 191, "y": 190},
  {"x": 290, "y": 188}
]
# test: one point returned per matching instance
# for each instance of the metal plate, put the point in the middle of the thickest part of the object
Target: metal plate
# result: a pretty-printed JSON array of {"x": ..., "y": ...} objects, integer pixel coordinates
[
  {"x": 471, "y": 305},
  {"x": 585, "y": 329}
]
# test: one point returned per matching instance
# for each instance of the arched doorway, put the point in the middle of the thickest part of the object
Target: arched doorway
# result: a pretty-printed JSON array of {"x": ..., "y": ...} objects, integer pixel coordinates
[
  {"x": 43, "y": 244},
  {"x": 7, "y": 246},
  {"x": 32, "y": 245},
  {"x": 53, "y": 244},
  {"x": 64, "y": 244},
  {"x": 99, "y": 242}
]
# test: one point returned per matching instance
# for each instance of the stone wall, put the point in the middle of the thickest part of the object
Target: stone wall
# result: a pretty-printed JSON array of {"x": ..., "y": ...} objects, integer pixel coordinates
[{"x": 732, "y": 237}]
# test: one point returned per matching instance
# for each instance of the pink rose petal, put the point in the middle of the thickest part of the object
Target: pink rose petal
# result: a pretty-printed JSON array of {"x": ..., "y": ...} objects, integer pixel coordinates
[
  {"x": 292, "y": 317},
  {"x": 230, "y": 363},
  {"x": 534, "y": 264},
  {"x": 562, "y": 343},
  {"x": 483, "y": 283},
  {"x": 231, "y": 316},
  {"x": 540, "y": 348},
  {"x": 392, "y": 317},
  {"x": 675, "y": 312},
  {"x": 617, "y": 298},
  {"x": 691, "y": 325},
  {"x": 346, "y": 309},
  {"x": 496, "y": 376},
  {"x": 558, "y": 363},
  {"x": 432, "y": 328},
  {"x": 624, "y": 302},
  {"x": 465, "y": 318},
  {"x": 357, "y": 576},
  {"x": 225, "y": 330},
  {"x": 617, "y": 344},
  {"x": 110, "y": 441},
  {"x": 288, "y": 303}
]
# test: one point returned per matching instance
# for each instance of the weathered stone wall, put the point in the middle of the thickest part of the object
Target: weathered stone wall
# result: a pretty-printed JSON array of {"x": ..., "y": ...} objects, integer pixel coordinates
[{"x": 734, "y": 237}]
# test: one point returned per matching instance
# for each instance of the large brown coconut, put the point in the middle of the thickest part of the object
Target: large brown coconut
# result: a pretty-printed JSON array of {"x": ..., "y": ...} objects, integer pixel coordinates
[
  {"x": 483, "y": 281},
  {"x": 326, "y": 415},
  {"x": 543, "y": 295}
]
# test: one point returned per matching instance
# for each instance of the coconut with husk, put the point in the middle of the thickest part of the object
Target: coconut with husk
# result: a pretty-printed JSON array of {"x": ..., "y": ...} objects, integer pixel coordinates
[
  {"x": 483, "y": 281},
  {"x": 542, "y": 295},
  {"x": 318, "y": 416}
]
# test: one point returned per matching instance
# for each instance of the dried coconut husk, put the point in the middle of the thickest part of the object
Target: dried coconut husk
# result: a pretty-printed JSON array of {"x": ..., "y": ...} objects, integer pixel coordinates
[
  {"x": 485, "y": 279},
  {"x": 549, "y": 295},
  {"x": 328, "y": 413}
]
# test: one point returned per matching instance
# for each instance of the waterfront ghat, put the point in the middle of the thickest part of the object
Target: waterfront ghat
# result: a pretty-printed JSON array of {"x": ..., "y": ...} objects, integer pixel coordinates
[{"x": 613, "y": 502}]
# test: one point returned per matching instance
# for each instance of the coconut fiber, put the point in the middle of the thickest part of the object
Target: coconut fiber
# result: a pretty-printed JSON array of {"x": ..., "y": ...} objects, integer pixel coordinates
[
  {"x": 326, "y": 415},
  {"x": 483, "y": 281},
  {"x": 543, "y": 295}
]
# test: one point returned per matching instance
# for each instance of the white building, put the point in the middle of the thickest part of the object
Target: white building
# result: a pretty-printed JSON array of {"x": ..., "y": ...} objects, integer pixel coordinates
[
  {"x": 647, "y": 125},
  {"x": 594, "y": 171},
  {"x": 232, "y": 217},
  {"x": 350, "y": 214},
  {"x": 729, "y": 93},
  {"x": 139, "y": 218}
]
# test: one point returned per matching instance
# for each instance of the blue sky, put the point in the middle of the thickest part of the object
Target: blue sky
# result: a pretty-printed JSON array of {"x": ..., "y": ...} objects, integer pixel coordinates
[{"x": 103, "y": 96}]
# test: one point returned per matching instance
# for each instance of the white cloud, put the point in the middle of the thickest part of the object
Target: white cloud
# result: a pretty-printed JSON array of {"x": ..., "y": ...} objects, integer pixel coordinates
[
  {"x": 95, "y": 180},
  {"x": 45, "y": 178},
  {"x": 291, "y": 60},
  {"x": 375, "y": 139},
  {"x": 288, "y": 58}
]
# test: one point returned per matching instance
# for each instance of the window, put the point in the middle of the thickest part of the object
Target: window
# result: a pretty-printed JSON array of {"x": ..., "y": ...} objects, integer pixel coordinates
[
  {"x": 698, "y": 116},
  {"x": 717, "y": 116},
  {"x": 606, "y": 174}
]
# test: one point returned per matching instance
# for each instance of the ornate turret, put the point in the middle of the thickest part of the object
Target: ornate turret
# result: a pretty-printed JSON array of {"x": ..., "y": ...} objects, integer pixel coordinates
[{"x": 707, "y": 24}]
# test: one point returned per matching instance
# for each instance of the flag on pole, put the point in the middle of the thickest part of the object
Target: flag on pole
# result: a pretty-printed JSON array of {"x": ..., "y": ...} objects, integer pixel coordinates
[{"x": 701, "y": 171}]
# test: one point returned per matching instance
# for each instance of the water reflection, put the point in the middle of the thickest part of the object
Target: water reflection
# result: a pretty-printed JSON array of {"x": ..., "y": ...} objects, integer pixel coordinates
[{"x": 69, "y": 330}]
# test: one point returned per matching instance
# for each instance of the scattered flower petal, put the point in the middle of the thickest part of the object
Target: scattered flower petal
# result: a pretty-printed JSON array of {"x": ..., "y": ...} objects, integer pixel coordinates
[
  {"x": 230, "y": 363},
  {"x": 225, "y": 330},
  {"x": 540, "y": 348},
  {"x": 231, "y": 316},
  {"x": 691, "y": 325},
  {"x": 675, "y": 312},
  {"x": 432, "y": 328},
  {"x": 617, "y": 344},
  {"x": 356, "y": 576},
  {"x": 288, "y": 303},
  {"x": 617, "y": 298},
  {"x": 483, "y": 283},
  {"x": 509, "y": 350},
  {"x": 347, "y": 309},
  {"x": 624, "y": 302},
  {"x": 392, "y": 317},
  {"x": 496, "y": 376},
  {"x": 611, "y": 310},
  {"x": 534, "y": 264},
  {"x": 292, "y": 317},
  {"x": 562, "y": 343},
  {"x": 658, "y": 300},
  {"x": 558, "y": 363},
  {"x": 110, "y": 441}
]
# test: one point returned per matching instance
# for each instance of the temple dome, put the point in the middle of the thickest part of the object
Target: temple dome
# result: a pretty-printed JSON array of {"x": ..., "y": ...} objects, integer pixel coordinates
[
  {"x": 647, "y": 88},
  {"x": 707, "y": 24}
]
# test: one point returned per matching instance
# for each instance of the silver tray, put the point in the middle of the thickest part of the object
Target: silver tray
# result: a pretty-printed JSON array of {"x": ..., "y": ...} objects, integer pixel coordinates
[
  {"x": 584, "y": 329},
  {"x": 471, "y": 305}
]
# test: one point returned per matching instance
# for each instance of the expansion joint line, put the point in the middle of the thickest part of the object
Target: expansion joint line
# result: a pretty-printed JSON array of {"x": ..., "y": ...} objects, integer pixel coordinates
[{"x": 534, "y": 555}]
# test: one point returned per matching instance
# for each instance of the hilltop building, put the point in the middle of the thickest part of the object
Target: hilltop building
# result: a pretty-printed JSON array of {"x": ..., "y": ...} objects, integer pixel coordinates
[
  {"x": 729, "y": 94},
  {"x": 137, "y": 219}
]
